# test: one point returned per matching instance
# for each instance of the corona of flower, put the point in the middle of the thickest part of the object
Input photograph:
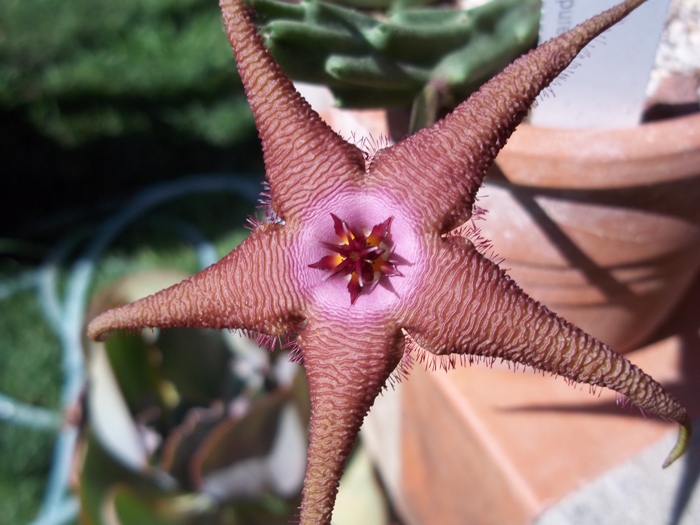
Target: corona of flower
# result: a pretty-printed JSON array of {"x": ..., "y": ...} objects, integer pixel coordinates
[{"x": 363, "y": 257}]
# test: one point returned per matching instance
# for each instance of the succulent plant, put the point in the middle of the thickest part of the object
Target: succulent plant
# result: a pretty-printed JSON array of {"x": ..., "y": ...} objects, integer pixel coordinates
[
  {"x": 189, "y": 427},
  {"x": 398, "y": 51}
]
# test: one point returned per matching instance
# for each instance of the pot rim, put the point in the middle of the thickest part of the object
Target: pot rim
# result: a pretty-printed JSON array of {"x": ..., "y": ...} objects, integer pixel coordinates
[{"x": 650, "y": 153}]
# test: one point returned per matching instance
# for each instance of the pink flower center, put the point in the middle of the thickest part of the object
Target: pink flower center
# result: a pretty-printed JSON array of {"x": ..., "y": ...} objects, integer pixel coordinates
[{"x": 362, "y": 258}]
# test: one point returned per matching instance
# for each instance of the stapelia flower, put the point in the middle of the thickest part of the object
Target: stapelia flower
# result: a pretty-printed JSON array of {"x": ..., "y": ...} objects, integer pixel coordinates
[{"x": 384, "y": 222}]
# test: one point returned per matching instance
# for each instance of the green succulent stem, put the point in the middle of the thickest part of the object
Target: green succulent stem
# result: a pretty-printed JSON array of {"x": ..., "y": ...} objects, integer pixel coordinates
[{"x": 400, "y": 51}]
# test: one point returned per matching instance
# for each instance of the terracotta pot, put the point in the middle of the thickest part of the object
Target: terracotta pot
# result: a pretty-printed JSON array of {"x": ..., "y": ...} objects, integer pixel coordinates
[{"x": 602, "y": 226}]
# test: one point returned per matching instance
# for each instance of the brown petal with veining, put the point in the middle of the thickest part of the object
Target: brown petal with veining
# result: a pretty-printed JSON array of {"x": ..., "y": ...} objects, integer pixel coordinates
[
  {"x": 305, "y": 160},
  {"x": 249, "y": 288},
  {"x": 447, "y": 162},
  {"x": 470, "y": 306},
  {"x": 346, "y": 368}
]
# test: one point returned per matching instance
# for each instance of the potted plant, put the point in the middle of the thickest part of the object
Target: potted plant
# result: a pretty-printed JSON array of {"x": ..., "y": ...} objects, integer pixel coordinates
[
  {"x": 438, "y": 293},
  {"x": 601, "y": 225}
]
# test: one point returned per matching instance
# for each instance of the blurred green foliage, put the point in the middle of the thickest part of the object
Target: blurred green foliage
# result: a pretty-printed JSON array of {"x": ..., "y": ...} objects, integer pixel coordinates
[
  {"x": 33, "y": 377},
  {"x": 99, "y": 98},
  {"x": 398, "y": 54},
  {"x": 86, "y": 68}
]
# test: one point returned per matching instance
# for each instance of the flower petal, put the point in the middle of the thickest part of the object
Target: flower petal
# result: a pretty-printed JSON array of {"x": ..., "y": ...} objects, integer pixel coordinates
[
  {"x": 345, "y": 376},
  {"x": 304, "y": 158},
  {"x": 446, "y": 163},
  {"x": 249, "y": 288},
  {"x": 470, "y": 306}
]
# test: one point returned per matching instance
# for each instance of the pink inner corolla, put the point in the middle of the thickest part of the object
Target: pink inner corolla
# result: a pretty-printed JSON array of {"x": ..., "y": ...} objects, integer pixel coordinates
[
  {"x": 361, "y": 209},
  {"x": 362, "y": 256}
]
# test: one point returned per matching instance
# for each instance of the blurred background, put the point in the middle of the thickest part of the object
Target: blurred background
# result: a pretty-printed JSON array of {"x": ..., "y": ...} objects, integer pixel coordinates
[
  {"x": 98, "y": 98},
  {"x": 98, "y": 101}
]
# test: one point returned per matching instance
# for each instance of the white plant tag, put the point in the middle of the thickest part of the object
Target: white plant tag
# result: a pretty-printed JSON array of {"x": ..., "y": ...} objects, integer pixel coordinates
[{"x": 605, "y": 87}]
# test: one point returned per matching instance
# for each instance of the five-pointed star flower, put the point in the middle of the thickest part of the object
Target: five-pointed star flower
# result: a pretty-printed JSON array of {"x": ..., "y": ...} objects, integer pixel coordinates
[{"x": 383, "y": 222}]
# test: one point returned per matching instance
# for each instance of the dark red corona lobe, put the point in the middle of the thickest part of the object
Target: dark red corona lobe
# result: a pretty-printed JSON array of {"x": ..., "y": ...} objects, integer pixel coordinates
[{"x": 362, "y": 257}]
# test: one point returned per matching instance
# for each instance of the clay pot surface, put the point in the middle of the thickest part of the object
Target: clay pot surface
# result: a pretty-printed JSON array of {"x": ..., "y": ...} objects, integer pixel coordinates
[{"x": 602, "y": 226}]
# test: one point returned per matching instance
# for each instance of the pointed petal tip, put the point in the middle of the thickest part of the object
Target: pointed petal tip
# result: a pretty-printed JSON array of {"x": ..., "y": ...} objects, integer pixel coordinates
[
  {"x": 102, "y": 326},
  {"x": 682, "y": 444}
]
